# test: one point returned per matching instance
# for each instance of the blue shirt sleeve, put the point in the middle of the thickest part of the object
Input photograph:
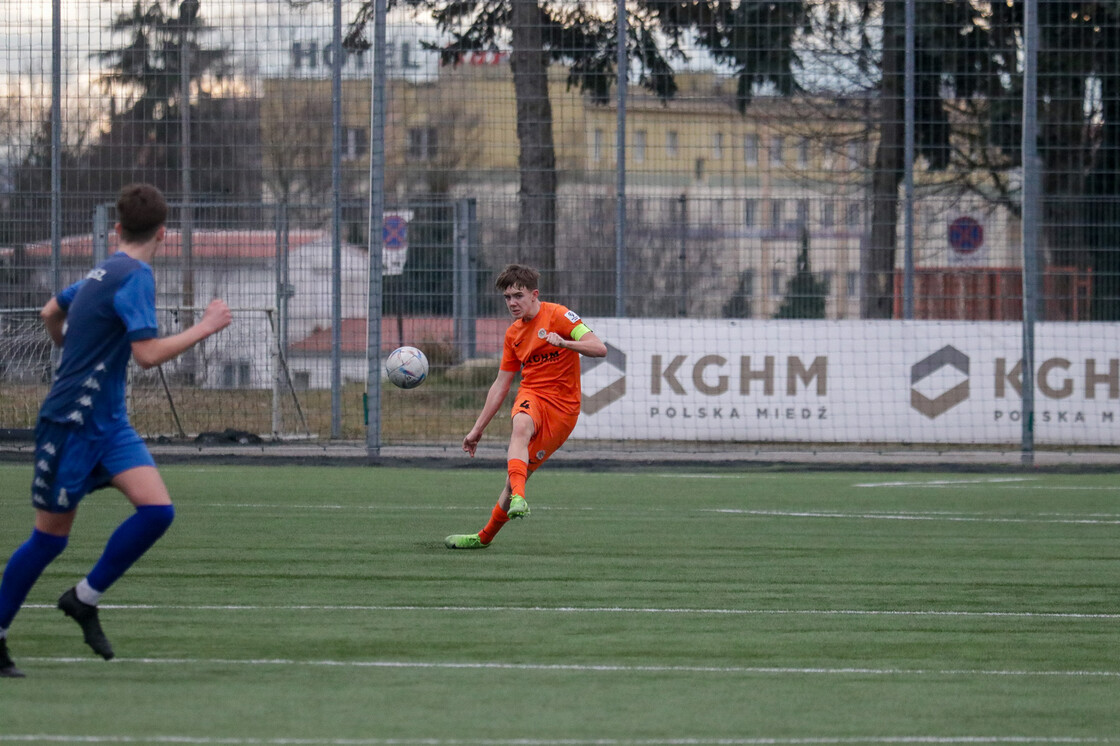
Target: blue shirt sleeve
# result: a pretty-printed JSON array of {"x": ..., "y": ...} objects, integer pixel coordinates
[
  {"x": 135, "y": 304},
  {"x": 66, "y": 297}
]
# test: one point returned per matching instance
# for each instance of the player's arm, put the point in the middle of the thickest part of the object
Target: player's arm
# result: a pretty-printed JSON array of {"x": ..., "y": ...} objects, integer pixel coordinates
[
  {"x": 587, "y": 344},
  {"x": 54, "y": 319},
  {"x": 149, "y": 353},
  {"x": 494, "y": 399}
]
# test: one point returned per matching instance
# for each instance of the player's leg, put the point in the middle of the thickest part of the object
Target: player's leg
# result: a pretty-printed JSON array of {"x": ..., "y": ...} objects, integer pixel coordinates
[
  {"x": 555, "y": 428},
  {"x": 517, "y": 463},
  {"x": 56, "y": 489},
  {"x": 498, "y": 518},
  {"x": 48, "y": 539},
  {"x": 128, "y": 466},
  {"x": 548, "y": 434},
  {"x": 511, "y": 503},
  {"x": 144, "y": 488},
  {"x": 8, "y": 668}
]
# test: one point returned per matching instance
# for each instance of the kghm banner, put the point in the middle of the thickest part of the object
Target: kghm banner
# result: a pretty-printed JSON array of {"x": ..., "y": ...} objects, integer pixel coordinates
[{"x": 849, "y": 382}]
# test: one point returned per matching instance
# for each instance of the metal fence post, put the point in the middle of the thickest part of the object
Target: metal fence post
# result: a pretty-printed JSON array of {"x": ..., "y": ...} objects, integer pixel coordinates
[
  {"x": 464, "y": 305},
  {"x": 336, "y": 225},
  {"x": 56, "y": 145},
  {"x": 909, "y": 93},
  {"x": 620, "y": 158},
  {"x": 100, "y": 234},
  {"x": 1029, "y": 212},
  {"x": 282, "y": 295},
  {"x": 682, "y": 256},
  {"x": 376, "y": 228}
]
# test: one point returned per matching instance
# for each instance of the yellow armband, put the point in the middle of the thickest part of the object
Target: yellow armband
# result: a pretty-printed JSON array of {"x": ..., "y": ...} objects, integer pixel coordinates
[{"x": 579, "y": 330}]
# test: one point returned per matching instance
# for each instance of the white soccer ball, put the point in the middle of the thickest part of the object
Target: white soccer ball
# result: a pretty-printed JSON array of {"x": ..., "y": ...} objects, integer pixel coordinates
[{"x": 406, "y": 367}]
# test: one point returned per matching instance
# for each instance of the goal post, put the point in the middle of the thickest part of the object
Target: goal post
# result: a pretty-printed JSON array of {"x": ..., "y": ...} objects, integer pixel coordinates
[
  {"x": 236, "y": 380},
  {"x": 239, "y": 379},
  {"x": 25, "y": 368}
]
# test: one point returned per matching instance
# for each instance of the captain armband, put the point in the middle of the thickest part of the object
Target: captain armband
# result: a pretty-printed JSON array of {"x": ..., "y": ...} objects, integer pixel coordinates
[{"x": 579, "y": 330}]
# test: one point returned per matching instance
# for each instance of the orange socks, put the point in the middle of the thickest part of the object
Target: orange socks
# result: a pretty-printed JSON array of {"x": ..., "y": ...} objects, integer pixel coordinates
[
  {"x": 518, "y": 473},
  {"x": 498, "y": 518}
]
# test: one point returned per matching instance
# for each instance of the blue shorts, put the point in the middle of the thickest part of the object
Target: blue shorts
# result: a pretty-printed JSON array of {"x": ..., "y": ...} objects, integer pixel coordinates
[{"x": 70, "y": 462}]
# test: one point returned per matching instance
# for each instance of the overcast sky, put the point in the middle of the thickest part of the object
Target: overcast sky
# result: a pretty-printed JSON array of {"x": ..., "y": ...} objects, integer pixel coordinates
[{"x": 260, "y": 34}]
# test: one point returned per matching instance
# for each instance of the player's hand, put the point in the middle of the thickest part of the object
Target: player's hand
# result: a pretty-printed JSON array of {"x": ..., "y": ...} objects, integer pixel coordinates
[
  {"x": 554, "y": 339},
  {"x": 217, "y": 316},
  {"x": 470, "y": 443}
]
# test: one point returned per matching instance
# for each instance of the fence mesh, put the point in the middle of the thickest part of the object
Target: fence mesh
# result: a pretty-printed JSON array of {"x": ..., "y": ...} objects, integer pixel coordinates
[{"x": 814, "y": 232}]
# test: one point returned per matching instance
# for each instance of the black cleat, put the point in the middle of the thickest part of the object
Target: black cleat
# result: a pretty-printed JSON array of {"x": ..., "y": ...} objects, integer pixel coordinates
[
  {"x": 86, "y": 617},
  {"x": 8, "y": 669}
]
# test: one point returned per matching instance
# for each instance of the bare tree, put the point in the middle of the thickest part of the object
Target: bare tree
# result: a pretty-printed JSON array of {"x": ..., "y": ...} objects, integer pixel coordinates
[
  {"x": 295, "y": 142},
  {"x": 752, "y": 37}
]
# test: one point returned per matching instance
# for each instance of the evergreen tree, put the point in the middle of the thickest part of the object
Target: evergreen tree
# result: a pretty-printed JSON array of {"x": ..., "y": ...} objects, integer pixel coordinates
[
  {"x": 147, "y": 68},
  {"x": 805, "y": 292},
  {"x": 146, "y": 73},
  {"x": 738, "y": 306}
]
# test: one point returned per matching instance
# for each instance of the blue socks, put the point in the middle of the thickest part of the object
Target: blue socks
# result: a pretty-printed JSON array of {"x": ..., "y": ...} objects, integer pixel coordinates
[
  {"x": 131, "y": 539},
  {"x": 24, "y": 568}
]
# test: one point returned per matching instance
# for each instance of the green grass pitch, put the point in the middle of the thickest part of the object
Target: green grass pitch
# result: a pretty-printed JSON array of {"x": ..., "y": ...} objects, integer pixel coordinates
[{"x": 317, "y": 605}]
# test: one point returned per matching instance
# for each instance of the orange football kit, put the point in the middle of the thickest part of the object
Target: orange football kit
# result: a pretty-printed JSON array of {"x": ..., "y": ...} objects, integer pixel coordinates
[
  {"x": 549, "y": 392},
  {"x": 550, "y": 384}
]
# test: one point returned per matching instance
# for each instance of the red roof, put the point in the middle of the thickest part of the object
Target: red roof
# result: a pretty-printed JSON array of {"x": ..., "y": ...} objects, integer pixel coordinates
[
  {"x": 417, "y": 331},
  {"x": 259, "y": 244}
]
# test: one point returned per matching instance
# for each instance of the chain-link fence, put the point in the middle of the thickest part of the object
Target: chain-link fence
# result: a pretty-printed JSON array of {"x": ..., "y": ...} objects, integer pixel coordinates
[{"x": 800, "y": 220}]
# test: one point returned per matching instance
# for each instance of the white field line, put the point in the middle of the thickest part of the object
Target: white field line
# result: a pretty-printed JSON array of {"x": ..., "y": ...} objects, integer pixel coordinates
[
  {"x": 588, "y": 667},
  {"x": 995, "y": 486},
  {"x": 677, "y": 741},
  {"x": 949, "y": 482},
  {"x": 1017, "y": 483},
  {"x": 1048, "y": 517},
  {"x": 703, "y": 475},
  {"x": 608, "y": 610},
  {"x": 671, "y": 741},
  {"x": 950, "y": 517}
]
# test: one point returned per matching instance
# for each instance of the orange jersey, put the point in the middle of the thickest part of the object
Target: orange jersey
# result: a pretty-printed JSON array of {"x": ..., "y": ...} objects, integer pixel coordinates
[{"x": 552, "y": 373}]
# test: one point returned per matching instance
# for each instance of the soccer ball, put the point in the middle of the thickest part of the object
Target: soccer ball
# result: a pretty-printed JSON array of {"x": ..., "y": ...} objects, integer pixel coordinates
[{"x": 406, "y": 367}]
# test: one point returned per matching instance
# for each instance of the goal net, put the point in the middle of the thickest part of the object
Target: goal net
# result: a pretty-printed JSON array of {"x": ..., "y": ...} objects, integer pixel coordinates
[{"x": 237, "y": 383}]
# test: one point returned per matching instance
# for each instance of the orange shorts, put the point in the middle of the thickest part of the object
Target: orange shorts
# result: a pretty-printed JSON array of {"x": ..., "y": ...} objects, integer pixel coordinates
[{"x": 552, "y": 426}]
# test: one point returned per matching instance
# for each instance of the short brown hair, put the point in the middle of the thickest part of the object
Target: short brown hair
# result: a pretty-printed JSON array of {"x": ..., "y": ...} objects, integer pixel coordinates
[
  {"x": 141, "y": 210},
  {"x": 518, "y": 275}
]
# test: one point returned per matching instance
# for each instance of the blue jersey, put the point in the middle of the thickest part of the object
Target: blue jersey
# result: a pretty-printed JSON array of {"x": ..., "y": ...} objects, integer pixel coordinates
[{"x": 114, "y": 306}]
